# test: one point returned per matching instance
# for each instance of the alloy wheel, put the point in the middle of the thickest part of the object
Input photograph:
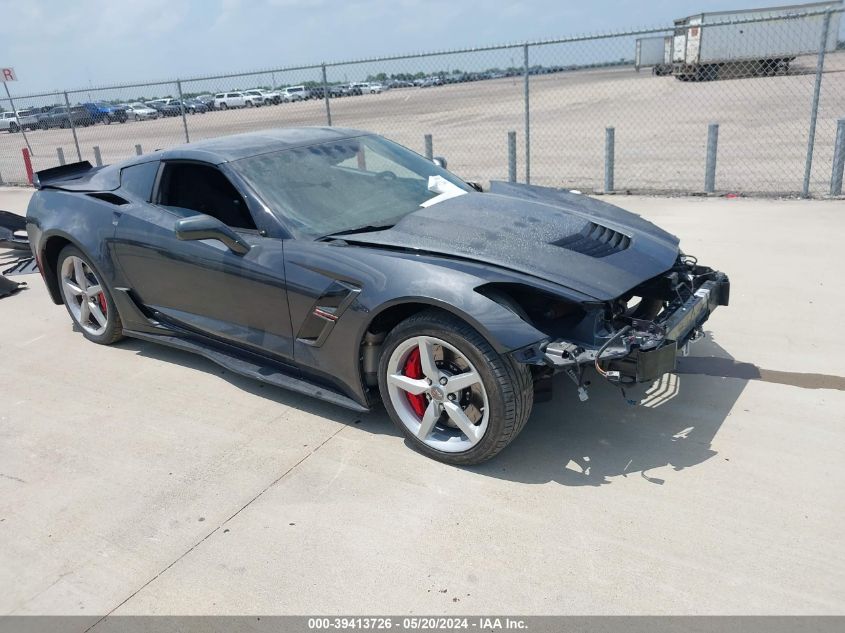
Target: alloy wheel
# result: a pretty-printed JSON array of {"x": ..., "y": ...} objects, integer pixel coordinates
[
  {"x": 84, "y": 295},
  {"x": 438, "y": 394}
]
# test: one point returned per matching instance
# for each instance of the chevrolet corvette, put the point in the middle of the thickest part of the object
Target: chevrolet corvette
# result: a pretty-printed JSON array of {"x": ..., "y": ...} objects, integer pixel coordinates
[{"x": 336, "y": 263}]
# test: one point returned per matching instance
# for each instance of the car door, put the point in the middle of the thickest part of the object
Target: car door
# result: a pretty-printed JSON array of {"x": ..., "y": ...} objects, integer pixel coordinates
[{"x": 202, "y": 285}]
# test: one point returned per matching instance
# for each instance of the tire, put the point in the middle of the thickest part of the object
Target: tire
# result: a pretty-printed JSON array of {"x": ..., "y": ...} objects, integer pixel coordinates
[
  {"x": 503, "y": 387},
  {"x": 13, "y": 128},
  {"x": 137, "y": 118},
  {"x": 223, "y": 106},
  {"x": 105, "y": 332},
  {"x": 250, "y": 104}
]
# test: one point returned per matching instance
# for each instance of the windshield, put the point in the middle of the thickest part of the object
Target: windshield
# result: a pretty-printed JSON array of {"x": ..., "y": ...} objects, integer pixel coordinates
[{"x": 341, "y": 185}]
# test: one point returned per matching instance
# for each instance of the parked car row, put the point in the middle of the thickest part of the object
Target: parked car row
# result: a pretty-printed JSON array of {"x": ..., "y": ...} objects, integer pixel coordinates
[
  {"x": 100, "y": 112},
  {"x": 61, "y": 116}
]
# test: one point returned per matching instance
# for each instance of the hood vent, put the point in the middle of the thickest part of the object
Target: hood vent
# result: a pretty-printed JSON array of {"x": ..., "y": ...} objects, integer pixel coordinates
[{"x": 595, "y": 240}]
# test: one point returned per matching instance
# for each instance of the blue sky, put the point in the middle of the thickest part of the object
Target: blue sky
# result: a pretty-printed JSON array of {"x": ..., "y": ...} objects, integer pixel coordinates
[{"x": 56, "y": 44}]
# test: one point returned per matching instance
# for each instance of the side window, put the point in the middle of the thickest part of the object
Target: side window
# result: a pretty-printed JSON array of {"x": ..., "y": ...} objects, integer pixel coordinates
[
  {"x": 203, "y": 188},
  {"x": 138, "y": 179}
]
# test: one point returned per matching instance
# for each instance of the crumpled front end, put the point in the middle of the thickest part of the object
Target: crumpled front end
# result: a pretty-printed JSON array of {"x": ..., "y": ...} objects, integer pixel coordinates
[{"x": 637, "y": 337}]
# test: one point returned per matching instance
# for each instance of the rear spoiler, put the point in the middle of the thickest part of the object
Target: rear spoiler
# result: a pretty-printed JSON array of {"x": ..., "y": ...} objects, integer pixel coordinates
[{"x": 72, "y": 171}]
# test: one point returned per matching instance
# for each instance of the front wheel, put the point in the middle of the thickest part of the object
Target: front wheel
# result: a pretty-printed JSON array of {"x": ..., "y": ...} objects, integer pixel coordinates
[
  {"x": 87, "y": 298},
  {"x": 450, "y": 393}
]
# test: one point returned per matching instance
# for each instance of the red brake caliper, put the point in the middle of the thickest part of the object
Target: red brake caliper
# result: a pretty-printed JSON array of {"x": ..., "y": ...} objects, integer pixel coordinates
[
  {"x": 101, "y": 299},
  {"x": 413, "y": 369}
]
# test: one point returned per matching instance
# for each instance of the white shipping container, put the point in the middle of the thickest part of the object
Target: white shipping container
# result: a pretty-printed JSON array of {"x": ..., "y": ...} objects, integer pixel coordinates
[
  {"x": 697, "y": 43},
  {"x": 649, "y": 51}
]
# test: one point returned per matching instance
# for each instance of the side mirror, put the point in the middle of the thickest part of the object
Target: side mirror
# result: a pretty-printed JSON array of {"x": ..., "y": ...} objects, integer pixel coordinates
[
  {"x": 205, "y": 227},
  {"x": 439, "y": 161}
]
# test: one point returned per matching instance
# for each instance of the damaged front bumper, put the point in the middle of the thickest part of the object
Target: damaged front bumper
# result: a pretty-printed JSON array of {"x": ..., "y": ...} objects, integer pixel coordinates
[{"x": 639, "y": 350}]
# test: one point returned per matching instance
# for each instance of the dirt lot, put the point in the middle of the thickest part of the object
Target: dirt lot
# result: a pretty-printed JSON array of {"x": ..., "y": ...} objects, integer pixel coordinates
[
  {"x": 661, "y": 128},
  {"x": 140, "y": 480}
]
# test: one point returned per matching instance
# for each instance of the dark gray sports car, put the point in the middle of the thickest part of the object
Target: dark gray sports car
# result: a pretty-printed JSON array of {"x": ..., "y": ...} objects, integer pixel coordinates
[{"x": 336, "y": 263}]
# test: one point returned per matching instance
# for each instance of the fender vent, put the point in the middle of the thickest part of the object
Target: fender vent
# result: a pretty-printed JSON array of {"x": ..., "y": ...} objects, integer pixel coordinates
[
  {"x": 595, "y": 240},
  {"x": 105, "y": 196}
]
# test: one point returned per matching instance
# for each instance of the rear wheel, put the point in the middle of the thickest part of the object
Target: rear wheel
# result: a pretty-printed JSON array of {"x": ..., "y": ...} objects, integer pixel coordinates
[
  {"x": 450, "y": 393},
  {"x": 223, "y": 106},
  {"x": 87, "y": 299},
  {"x": 13, "y": 127}
]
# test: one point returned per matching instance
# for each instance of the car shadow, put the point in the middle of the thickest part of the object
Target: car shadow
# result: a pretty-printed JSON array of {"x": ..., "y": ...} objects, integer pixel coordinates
[
  {"x": 589, "y": 443},
  {"x": 566, "y": 441}
]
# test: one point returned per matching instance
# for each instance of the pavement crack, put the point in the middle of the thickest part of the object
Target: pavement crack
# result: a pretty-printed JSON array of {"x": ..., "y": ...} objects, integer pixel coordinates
[{"x": 217, "y": 528}]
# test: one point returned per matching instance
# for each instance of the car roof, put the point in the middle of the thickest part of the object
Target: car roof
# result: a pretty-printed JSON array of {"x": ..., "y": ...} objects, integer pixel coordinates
[{"x": 228, "y": 148}]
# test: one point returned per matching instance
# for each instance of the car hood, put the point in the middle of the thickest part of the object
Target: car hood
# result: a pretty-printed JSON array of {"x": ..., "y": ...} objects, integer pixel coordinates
[{"x": 572, "y": 240}]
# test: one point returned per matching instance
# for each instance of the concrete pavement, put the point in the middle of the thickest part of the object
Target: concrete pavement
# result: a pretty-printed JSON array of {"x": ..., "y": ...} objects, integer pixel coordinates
[{"x": 136, "y": 479}]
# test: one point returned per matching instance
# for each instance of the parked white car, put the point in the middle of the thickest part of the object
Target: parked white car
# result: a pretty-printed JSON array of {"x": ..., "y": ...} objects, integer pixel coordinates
[
  {"x": 140, "y": 112},
  {"x": 9, "y": 122},
  {"x": 256, "y": 96},
  {"x": 269, "y": 96},
  {"x": 296, "y": 93},
  {"x": 226, "y": 100},
  {"x": 365, "y": 87}
]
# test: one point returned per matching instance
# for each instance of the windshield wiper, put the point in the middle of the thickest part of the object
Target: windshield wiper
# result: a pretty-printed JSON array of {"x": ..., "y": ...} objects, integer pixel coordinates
[{"x": 369, "y": 228}]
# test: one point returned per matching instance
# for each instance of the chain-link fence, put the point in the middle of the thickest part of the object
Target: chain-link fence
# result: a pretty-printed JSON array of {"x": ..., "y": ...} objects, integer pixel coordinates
[{"x": 746, "y": 102}]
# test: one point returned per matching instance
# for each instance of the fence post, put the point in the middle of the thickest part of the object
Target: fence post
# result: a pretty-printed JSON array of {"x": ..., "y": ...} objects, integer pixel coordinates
[
  {"x": 511, "y": 156},
  {"x": 98, "y": 159},
  {"x": 23, "y": 131},
  {"x": 182, "y": 109},
  {"x": 326, "y": 96},
  {"x": 609, "y": 157},
  {"x": 814, "y": 110},
  {"x": 61, "y": 154},
  {"x": 73, "y": 129},
  {"x": 138, "y": 149},
  {"x": 710, "y": 168},
  {"x": 838, "y": 159},
  {"x": 429, "y": 147},
  {"x": 27, "y": 163},
  {"x": 527, "y": 117}
]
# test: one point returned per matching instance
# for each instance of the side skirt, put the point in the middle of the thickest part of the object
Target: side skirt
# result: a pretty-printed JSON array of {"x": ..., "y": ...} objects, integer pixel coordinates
[{"x": 269, "y": 374}]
